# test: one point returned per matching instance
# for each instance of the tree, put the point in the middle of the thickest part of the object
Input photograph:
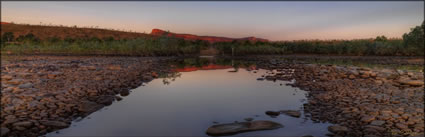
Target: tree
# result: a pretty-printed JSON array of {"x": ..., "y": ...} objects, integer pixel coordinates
[
  {"x": 7, "y": 37},
  {"x": 414, "y": 40},
  {"x": 381, "y": 38}
]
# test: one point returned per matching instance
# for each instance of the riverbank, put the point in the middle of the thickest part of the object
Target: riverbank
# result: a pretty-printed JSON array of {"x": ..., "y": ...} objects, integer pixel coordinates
[{"x": 41, "y": 94}]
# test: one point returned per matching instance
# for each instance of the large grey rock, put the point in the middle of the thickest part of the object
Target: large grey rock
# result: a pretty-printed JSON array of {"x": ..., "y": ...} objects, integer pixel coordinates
[{"x": 235, "y": 128}]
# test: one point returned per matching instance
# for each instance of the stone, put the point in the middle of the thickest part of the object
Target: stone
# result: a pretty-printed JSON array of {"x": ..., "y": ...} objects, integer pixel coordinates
[
  {"x": 235, "y": 128},
  {"x": 89, "y": 107},
  {"x": 367, "y": 119},
  {"x": 4, "y": 131},
  {"x": 292, "y": 113},
  {"x": 124, "y": 92},
  {"x": 401, "y": 126},
  {"x": 23, "y": 124},
  {"x": 15, "y": 81},
  {"x": 377, "y": 122},
  {"x": 26, "y": 85},
  {"x": 272, "y": 113},
  {"x": 114, "y": 67},
  {"x": 411, "y": 82},
  {"x": 105, "y": 100},
  {"x": 337, "y": 129},
  {"x": 249, "y": 119},
  {"x": 351, "y": 76},
  {"x": 260, "y": 79},
  {"x": 55, "y": 124},
  {"x": 6, "y": 77}
]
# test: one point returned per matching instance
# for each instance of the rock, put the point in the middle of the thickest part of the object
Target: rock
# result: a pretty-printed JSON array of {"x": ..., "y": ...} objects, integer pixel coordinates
[
  {"x": 377, "y": 122},
  {"x": 6, "y": 77},
  {"x": 105, "y": 100},
  {"x": 292, "y": 113},
  {"x": 367, "y": 119},
  {"x": 235, "y": 128},
  {"x": 337, "y": 129},
  {"x": 118, "y": 98},
  {"x": 26, "y": 85},
  {"x": 55, "y": 124},
  {"x": 124, "y": 93},
  {"x": 89, "y": 107},
  {"x": 23, "y": 124},
  {"x": 15, "y": 81},
  {"x": 249, "y": 119},
  {"x": 261, "y": 79},
  {"x": 401, "y": 126},
  {"x": 307, "y": 136},
  {"x": 272, "y": 113},
  {"x": 4, "y": 131},
  {"x": 411, "y": 82},
  {"x": 114, "y": 67},
  {"x": 351, "y": 77}
]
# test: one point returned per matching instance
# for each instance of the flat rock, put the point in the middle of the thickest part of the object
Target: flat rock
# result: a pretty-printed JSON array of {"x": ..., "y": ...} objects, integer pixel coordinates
[
  {"x": 411, "y": 82},
  {"x": 89, "y": 107},
  {"x": 56, "y": 124},
  {"x": 15, "y": 81},
  {"x": 23, "y": 124},
  {"x": 4, "y": 131},
  {"x": 26, "y": 85},
  {"x": 272, "y": 113},
  {"x": 377, "y": 122},
  {"x": 337, "y": 129},
  {"x": 235, "y": 128},
  {"x": 292, "y": 113}
]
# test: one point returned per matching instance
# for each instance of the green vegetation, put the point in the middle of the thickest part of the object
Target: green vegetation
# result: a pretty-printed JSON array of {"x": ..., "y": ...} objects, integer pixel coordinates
[{"x": 412, "y": 44}]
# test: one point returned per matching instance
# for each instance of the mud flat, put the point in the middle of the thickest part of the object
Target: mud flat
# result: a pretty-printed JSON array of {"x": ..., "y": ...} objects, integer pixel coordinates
[{"x": 41, "y": 94}]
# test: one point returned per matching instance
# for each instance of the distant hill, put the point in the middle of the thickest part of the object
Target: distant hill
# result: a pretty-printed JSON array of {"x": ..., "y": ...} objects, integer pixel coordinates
[
  {"x": 211, "y": 39},
  {"x": 62, "y": 32},
  {"x": 43, "y": 32}
]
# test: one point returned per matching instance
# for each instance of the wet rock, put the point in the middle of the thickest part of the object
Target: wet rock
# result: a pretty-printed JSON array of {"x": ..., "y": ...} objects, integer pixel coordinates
[
  {"x": 272, "y": 113},
  {"x": 249, "y": 119},
  {"x": 105, "y": 100},
  {"x": 4, "y": 131},
  {"x": 337, "y": 129},
  {"x": 55, "y": 124},
  {"x": 89, "y": 107},
  {"x": 124, "y": 93},
  {"x": 235, "y": 128},
  {"x": 292, "y": 113}
]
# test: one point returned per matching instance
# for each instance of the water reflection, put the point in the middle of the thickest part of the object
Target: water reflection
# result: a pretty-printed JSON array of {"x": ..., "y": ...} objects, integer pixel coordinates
[{"x": 186, "y": 103}]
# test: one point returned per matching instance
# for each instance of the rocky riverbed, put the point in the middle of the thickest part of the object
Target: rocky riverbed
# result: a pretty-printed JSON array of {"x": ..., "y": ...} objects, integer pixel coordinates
[
  {"x": 359, "y": 101},
  {"x": 41, "y": 94}
]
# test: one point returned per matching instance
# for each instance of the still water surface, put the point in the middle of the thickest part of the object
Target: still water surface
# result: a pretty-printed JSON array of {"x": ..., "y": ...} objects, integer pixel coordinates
[{"x": 195, "y": 100}]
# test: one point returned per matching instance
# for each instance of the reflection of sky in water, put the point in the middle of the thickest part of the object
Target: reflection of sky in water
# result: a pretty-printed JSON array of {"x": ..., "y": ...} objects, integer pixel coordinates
[{"x": 191, "y": 103}]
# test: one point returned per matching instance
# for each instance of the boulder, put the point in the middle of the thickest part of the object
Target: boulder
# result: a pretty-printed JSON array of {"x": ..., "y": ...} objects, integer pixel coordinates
[
  {"x": 292, "y": 113},
  {"x": 4, "y": 131},
  {"x": 88, "y": 107},
  {"x": 55, "y": 124},
  {"x": 272, "y": 113},
  {"x": 235, "y": 128},
  {"x": 411, "y": 82},
  {"x": 337, "y": 129}
]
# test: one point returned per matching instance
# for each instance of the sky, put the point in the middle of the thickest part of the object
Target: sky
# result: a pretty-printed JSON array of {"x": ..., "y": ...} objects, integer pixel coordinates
[{"x": 284, "y": 20}]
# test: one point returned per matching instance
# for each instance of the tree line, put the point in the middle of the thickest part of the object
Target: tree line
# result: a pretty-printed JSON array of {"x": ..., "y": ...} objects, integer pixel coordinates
[{"x": 411, "y": 44}]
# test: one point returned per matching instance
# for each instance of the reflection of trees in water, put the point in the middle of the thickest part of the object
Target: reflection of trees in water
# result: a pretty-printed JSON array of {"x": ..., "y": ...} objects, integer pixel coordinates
[
  {"x": 201, "y": 62},
  {"x": 168, "y": 78}
]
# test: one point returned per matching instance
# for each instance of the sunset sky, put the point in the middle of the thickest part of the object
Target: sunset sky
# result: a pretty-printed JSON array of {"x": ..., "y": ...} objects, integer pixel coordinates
[{"x": 270, "y": 20}]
